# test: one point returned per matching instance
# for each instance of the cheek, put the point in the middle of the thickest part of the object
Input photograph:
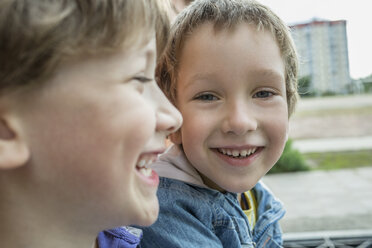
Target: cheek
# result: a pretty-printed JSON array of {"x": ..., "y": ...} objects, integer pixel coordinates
[
  {"x": 95, "y": 140},
  {"x": 195, "y": 128},
  {"x": 277, "y": 131},
  {"x": 129, "y": 135}
]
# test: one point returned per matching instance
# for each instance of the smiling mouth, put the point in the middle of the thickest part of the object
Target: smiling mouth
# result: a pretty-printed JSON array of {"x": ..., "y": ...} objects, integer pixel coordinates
[
  {"x": 144, "y": 163},
  {"x": 234, "y": 153}
]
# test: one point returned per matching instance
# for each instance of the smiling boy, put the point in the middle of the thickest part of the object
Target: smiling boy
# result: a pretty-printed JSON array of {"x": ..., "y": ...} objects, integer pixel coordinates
[
  {"x": 81, "y": 119},
  {"x": 230, "y": 68}
]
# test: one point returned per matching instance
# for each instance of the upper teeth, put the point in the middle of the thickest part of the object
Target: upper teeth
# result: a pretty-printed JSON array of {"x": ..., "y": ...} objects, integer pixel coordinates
[
  {"x": 145, "y": 162},
  {"x": 143, "y": 165},
  {"x": 237, "y": 153}
]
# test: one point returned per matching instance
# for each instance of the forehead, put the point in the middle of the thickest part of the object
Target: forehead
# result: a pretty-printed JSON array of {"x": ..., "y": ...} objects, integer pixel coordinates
[
  {"x": 242, "y": 54},
  {"x": 243, "y": 43},
  {"x": 216, "y": 34},
  {"x": 145, "y": 42}
]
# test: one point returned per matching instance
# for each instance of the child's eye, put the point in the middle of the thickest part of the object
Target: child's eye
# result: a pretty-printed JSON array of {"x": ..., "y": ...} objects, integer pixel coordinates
[
  {"x": 206, "y": 97},
  {"x": 263, "y": 94},
  {"x": 142, "y": 79}
]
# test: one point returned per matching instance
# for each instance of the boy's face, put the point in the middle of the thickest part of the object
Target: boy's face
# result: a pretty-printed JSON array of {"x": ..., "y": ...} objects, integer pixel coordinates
[
  {"x": 232, "y": 96},
  {"x": 91, "y": 128}
]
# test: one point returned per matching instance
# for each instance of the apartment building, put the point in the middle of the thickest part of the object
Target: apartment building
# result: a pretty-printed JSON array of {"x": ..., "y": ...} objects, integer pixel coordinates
[{"x": 323, "y": 51}]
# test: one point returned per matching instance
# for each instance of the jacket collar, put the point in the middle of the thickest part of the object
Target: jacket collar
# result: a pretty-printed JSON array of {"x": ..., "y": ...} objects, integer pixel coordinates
[{"x": 174, "y": 164}]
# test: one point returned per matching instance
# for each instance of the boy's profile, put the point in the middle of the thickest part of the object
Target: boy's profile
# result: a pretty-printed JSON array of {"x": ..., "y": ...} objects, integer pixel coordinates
[
  {"x": 230, "y": 67},
  {"x": 81, "y": 118}
]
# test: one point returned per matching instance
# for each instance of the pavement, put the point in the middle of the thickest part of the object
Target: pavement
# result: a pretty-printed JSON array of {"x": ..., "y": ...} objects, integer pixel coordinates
[
  {"x": 335, "y": 144},
  {"x": 330, "y": 117},
  {"x": 324, "y": 200},
  {"x": 335, "y": 102},
  {"x": 328, "y": 201}
]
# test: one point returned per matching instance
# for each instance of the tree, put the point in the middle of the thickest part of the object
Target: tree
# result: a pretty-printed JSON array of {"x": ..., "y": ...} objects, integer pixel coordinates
[{"x": 304, "y": 86}]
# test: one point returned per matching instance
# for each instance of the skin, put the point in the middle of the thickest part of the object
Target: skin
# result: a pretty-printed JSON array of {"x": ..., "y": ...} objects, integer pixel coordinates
[
  {"x": 177, "y": 7},
  {"x": 232, "y": 96},
  {"x": 84, "y": 133}
]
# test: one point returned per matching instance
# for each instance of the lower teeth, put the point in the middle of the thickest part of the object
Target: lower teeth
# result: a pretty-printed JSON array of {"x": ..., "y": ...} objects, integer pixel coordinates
[
  {"x": 237, "y": 156},
  {"x": 232, "y": 156},
  {"x": 146, "y": 171}
]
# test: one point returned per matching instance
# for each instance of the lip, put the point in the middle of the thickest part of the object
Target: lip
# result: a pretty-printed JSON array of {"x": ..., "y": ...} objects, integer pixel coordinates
[
  {"x": 237, "y": 147},
  {"x": 153, "y": 179},
  {"x": 239, "y": 162},
  {"x": 154, "y": 153}
]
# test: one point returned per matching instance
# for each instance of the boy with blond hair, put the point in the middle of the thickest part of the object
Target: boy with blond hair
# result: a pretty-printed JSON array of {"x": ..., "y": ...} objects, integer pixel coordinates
[
  {"x": 81, "y": 118},
  {"x": 230, "y": 67}
]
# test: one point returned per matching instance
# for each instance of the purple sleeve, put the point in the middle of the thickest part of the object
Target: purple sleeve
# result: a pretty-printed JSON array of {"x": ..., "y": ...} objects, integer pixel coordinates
[{"x": 117, "y": 238}]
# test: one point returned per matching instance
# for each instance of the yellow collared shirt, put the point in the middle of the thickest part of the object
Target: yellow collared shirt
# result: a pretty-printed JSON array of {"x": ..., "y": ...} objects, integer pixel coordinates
[{"x": 248, "y": 204}]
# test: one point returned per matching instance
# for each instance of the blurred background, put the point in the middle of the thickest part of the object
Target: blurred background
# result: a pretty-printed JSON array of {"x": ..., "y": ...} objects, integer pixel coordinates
[{"x": 324, "y": 177}]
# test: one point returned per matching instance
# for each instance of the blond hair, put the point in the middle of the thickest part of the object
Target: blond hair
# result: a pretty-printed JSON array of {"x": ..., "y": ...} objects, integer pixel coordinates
[
  {"x": 36, "y": 35},
  {"x": 224, "y": 14}
]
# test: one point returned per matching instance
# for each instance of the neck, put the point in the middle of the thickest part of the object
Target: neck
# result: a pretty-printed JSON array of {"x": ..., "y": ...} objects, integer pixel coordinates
[
  {"x": 32, "y": 230},
  {"x": 28, "y": 220}
]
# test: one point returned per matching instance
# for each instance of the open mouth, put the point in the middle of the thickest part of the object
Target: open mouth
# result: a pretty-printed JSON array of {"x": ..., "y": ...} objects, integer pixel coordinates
[
  {"x": 240, "y": 154},
  {"x": 144, "y": 163}
]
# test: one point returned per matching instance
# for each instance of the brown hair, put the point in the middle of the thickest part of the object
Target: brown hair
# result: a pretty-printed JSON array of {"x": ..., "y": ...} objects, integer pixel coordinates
[
  {"x": 227, "y": 14},
  {"x": 37, "y": 35}
]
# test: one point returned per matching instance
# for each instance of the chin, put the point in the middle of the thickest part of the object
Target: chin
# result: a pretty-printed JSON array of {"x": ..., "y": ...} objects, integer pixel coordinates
[
  {"x": 240, "y": 188},
  {"x": 149, "y": 215}
]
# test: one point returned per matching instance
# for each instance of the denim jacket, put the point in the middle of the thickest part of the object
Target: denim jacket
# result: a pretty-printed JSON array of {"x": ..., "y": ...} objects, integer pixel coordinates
[{"x": 193, "y": 215}]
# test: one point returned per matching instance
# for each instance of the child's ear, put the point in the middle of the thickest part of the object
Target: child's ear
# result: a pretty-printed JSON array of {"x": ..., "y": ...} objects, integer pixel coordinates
[
  {"x": 176, "y": 137},
  {"x": 14, "y": 151}
]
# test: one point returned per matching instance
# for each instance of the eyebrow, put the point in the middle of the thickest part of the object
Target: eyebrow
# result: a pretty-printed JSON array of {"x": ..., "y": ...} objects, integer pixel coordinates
[
  {"x": 201, "y": 76},
  {"x": 267, "y": 73},
  {"x": 150, "y": 54},
  {"x": 198, "y": 77},
  {"x": 270, "y": 74}
]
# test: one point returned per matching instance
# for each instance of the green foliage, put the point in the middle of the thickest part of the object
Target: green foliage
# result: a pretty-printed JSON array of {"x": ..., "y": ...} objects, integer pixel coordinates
[
  {"x": 367, "y": 87},
  {"x": 367, "y": 83},
  {"x": 304, "y": 87},
  {"x": 328, "y": 93},
  {"x": 340, "y": 160},
  {"x": 290, "y": 161}
]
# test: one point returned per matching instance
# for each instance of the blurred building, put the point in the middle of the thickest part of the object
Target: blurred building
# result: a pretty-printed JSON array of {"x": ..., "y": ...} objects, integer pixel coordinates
[{"x": 323, "y": 50}]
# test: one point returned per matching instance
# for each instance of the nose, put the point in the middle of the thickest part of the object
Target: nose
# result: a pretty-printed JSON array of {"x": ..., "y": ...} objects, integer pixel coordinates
[
  {"x": 168, "y": 118},
  {"x": 239, "y": 119}
]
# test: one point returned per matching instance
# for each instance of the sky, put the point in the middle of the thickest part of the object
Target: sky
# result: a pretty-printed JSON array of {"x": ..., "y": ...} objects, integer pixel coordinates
[{"x": 357, "y": 13}]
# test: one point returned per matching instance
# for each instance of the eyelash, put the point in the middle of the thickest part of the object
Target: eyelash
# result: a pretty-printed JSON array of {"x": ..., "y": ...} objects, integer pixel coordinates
[
  {"x": 206, "y": 97},
  {"x": 267, "y": 94},
  {"x": 142, "y": 79}
]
